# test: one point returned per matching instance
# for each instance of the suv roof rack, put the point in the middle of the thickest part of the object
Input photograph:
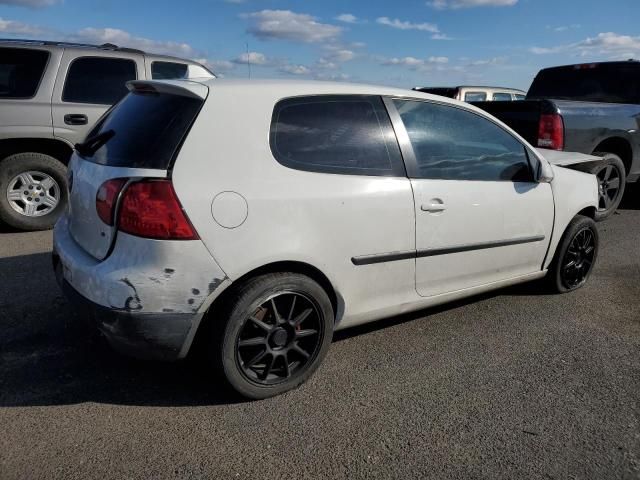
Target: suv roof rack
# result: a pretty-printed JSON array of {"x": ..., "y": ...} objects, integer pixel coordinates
[{"x": 104, "y": 46}]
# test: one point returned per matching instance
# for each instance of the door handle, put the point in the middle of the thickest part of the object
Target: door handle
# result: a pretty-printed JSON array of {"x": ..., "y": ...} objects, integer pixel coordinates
[
  {"x": 76, "y": 119},
  {"x": 433, "y": 207}
]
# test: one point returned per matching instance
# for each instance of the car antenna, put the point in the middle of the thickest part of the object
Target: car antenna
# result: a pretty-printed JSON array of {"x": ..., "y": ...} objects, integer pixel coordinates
[{"x": 248, "y": 60}]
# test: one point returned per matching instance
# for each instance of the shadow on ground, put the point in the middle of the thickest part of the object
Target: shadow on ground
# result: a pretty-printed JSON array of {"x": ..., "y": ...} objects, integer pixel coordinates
[{"x": 50, "y": 356}]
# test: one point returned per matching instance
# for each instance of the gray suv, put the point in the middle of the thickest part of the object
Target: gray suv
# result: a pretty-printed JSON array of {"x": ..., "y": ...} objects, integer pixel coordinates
[{"x": 50, "y": 96}]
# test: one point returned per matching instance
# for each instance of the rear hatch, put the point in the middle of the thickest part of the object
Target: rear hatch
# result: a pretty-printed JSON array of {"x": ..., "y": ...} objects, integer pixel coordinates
[{"x": 138, "y": 138}]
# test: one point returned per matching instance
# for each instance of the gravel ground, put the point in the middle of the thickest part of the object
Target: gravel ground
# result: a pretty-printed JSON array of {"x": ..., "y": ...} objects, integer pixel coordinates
[{"x": 514, "y": 384}]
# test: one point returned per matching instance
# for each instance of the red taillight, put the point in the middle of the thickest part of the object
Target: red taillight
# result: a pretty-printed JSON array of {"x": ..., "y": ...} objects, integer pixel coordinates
[
  {"x": 151, "y": 209},
  {"x": 551, "y": 132},
  {"x": 106, "y": 199}
]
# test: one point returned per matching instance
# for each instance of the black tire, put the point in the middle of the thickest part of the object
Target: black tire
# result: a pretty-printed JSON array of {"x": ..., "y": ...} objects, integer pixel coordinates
[
  {"x": 16, "y": 164},
  {"x": 561, "y": 276},
  {"x": 285, "y": 367},
  {"x": 609, "y": 198}
]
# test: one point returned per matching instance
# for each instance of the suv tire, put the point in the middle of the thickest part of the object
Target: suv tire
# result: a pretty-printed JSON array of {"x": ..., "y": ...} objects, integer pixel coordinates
[
  {"x": 40, "y": 171},
  {"x": 261, "y": 353}
]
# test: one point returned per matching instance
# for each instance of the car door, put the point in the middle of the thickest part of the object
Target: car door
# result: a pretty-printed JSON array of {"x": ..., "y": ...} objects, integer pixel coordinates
[
  {"x": 86, "y": 87},
  {"x": 480, "y": 216}
]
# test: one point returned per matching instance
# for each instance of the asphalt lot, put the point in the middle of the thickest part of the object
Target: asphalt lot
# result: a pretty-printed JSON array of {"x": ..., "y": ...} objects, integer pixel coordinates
[{"x": 514, "y": 384}]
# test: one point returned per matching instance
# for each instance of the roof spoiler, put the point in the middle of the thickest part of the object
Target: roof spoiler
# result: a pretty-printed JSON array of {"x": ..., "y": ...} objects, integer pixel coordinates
[{"x": 183, "y": 88}]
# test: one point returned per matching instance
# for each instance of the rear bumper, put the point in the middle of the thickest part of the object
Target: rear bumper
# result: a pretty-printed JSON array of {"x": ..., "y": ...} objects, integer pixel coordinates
[{"x": 158, "y": 336}]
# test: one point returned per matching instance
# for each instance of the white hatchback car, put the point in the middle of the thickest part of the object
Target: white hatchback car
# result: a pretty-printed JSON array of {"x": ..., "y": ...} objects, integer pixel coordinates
[{"x": 265, "y": 215}]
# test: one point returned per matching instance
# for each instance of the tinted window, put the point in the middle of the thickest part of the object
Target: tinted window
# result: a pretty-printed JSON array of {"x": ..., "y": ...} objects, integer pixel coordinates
[
  {"x": 21, "y": 71},
  {"x": 454, "y": 144},
  {"x": 168, "y": 70},
  {"x": 519, "y": 96},
  {"x": 614, "y": 83},
  {"x": 475, "y": 97},
  {"x": 335, "y": 134},
  {"x": 501, "y": 97},
  {"x": 144, "y": 130},
  {"x": 98, "y": 80}
]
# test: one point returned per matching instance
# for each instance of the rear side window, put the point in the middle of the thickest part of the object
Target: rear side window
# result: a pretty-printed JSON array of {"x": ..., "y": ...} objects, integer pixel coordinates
[
  {"x": 21, "y": 70},
  {"x": 98, "y": 80},
  {"x": 501, "y": 97},
  {"x": 168, "y": 70},
  {"x": 335, "y": 134},
  {"x": 475, "y": 97},
  {"x": 519, "y": 96},
  {"x": 454, "y": 144},
  {"x": 144, "y": 130}
]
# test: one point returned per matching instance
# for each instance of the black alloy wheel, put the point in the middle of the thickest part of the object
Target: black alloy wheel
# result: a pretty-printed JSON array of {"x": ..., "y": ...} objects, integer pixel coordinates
[
  {"x": 279, "y": 338},
  {"x": 578, "y": 259}
]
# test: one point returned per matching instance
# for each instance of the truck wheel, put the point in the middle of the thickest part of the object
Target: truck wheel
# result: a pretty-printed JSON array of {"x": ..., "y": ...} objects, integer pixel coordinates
[
  {"x": 33, "y": 190},
  {"x": 611, "y": 182},
  {"x": 575, "y": 256},
  {"x": 273, "y": 334}
]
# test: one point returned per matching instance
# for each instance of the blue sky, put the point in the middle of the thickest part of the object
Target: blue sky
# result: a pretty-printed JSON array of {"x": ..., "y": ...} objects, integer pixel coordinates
[{"x": 403, "y": 43}]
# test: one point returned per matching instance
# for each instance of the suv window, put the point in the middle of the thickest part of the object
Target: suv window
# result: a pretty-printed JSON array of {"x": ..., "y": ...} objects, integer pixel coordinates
[
  {"x": 501, "y": 97},
  {"x": 99, "y": 80},
  {"x": 475, "y": 97},
  {"x": 345, "y": 134},
  {"x": 168, "y": 70},
  {"x": 518, "y": 96},
  {"x": 454, "y": 144},
  {"x": 21, "y": 70}
]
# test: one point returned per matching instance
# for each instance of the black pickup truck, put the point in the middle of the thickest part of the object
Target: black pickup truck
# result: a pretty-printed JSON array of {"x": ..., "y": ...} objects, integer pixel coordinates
[{"x": 589, "y": 108}]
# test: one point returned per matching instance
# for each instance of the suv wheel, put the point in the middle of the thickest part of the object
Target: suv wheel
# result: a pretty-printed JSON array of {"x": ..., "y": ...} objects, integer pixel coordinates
[
  {"x": 276, "y": 330},
  {"x": 575, "y": 255},
  {"x": 33, "y": 190},
  {"x": 611, "y": 182}
]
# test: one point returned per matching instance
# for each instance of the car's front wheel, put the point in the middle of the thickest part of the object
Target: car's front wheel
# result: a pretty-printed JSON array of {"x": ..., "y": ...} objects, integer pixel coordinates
[
  {"x": 273, "y": 334},
  {"x": 575, "y": 256}
]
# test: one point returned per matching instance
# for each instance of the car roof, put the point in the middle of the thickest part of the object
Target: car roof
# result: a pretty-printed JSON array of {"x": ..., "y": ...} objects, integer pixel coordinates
[
  {"x": 107, "y": 47},
  {"x": 479, "y": 87}
]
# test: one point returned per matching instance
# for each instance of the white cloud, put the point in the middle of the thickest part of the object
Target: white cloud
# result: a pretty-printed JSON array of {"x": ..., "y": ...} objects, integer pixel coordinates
[
  {"x": 608, "y": 44},
  {"x": 29, "y": 3},
  {"x": 295, "y": 69},
  {"x": 413, "y": 63},
  {"x": 126, "y": 39},
  {"x": 347, "y": 18},
  {"x": 405, "y": 25},
  {"x": 217, "y": 66},
  {"x": 255, "y": 58},
  {"x": 10, "y": 27},
  {"x": 440, "y": 36},
  {"x": 490, "y": 61},
  {"x": 288, "y": 25},
  {"x": 340, "y": 55},
  {"x": 456, "y": 4}
]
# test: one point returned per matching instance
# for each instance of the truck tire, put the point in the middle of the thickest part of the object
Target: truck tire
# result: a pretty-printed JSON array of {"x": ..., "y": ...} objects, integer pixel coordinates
[
  {"x": 33, "y": 190},
  {"x": 575, "y": 256},
  {"x": 611, "y": 182}
]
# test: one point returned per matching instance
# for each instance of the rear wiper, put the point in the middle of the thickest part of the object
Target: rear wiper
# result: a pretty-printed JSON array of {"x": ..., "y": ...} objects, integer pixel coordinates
[{"x": 92, "y": 144}]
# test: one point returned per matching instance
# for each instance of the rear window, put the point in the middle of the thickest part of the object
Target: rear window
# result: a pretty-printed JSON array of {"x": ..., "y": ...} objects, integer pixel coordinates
[
  {"x": 144, "y": 130},
  {"x": 168, "y": 70},
  {"x": 335, "y": 134},
  {"x": 99, "y": 80},
  {"x": 610, "y": 83},
  {"x": 475, "y": 97},
  {"x": 501, "y": 97},
  {"x": 21, "y": 70}
]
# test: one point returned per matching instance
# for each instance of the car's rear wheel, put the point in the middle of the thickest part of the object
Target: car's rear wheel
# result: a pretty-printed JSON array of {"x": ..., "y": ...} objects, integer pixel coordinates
[
  {"x": 33, "y": 190},
  {"x": 611, "y": 182},
  {"x": 575, "y": 256},
  {"x": 275, "y": 331}
]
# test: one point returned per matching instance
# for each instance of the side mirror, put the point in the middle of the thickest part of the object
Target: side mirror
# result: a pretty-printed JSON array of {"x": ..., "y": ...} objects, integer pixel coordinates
[{"x": 545, "y": 172}]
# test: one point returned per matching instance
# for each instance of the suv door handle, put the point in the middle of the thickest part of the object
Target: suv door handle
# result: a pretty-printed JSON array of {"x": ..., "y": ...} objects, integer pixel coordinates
[
  {"x": 75, "y": 119},
  {"x": 433, "y": 207}
]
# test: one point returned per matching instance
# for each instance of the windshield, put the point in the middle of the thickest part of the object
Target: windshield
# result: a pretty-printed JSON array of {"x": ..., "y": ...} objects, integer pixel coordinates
[{"x": 611, "y": 83}]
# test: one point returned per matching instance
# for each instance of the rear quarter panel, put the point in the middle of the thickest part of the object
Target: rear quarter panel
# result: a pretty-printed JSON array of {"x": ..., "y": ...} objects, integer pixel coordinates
[{"x": 319, "y": 219}]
